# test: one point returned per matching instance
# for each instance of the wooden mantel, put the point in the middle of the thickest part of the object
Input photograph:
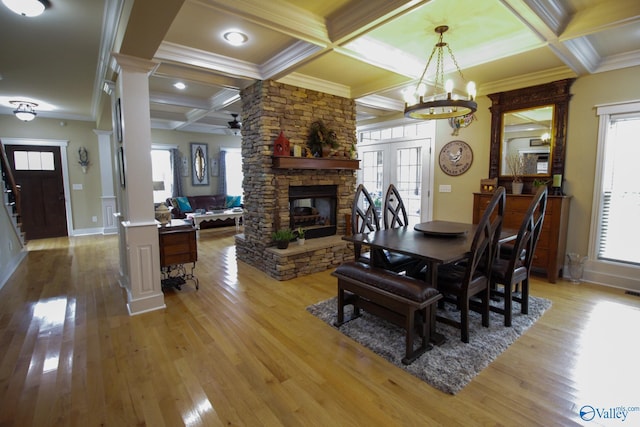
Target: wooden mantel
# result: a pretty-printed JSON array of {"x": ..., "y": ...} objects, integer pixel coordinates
[{"x": 290, "y": 162}]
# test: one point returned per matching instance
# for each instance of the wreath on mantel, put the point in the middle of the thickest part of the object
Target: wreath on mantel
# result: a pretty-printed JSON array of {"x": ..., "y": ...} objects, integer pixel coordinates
[{"x": 321, "y": 137}]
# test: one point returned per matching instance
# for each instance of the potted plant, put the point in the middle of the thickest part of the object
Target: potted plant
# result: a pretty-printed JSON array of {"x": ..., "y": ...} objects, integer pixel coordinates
[
  {"x": 321, "y": 140},
  {"x": 516, "y": 166},
  {"x": 301, "y": 238},
  {"x": 539, "y": 183},
  {"x": 282, "y": 237}
]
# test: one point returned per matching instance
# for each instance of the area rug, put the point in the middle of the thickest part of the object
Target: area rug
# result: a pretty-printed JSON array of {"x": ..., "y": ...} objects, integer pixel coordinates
[{"x": 450, "y": 366}]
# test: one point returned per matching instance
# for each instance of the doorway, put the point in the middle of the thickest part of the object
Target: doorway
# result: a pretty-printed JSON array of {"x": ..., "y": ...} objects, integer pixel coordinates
[
  {"x": 38, "y": 171},
  {"x": 399, "y": 155}
]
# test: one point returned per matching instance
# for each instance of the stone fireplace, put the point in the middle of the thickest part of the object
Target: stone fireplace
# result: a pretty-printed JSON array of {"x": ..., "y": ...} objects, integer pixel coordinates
[{"x": 273, "y": 191}]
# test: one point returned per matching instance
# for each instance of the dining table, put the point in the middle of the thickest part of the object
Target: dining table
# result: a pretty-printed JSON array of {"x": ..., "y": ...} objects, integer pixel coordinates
[{"x": 434, "y": 242}]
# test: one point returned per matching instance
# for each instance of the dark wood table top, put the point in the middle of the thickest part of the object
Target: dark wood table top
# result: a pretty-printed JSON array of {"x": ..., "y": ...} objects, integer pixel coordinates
[{"x": 432, "y": 248}]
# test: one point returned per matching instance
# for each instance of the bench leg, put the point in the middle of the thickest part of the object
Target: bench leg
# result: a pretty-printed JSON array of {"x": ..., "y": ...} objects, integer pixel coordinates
[
  {"x": 410, "y": 324},
  {"x": 340, "y": 320},
  {"x": 346, "y": 300}
]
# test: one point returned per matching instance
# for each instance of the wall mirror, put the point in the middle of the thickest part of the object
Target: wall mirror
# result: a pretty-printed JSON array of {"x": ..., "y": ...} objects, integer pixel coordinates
[
  {"x": 531, "y": 123},
  {"x": 526, "y": 135},
  {"x": 199, "y": 166}
]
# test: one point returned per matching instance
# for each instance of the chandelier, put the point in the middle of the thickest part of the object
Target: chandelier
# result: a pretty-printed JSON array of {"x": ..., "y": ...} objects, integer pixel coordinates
[
  {"x": 443, "y": 104},
  {"x": 25, "y": 110}
]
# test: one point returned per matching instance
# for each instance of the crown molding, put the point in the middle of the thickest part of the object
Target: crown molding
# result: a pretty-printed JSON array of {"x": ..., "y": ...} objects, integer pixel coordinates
[
  {"x": 210, "y": 61},
  {"x": 291, "y": 57},
  {"x": 526, "y": 80},
  {"x": 312, "y": 83}
]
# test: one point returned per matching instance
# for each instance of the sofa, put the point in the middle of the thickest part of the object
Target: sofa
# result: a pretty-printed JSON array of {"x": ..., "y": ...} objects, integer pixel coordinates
[{"x": 181, "y": 206}]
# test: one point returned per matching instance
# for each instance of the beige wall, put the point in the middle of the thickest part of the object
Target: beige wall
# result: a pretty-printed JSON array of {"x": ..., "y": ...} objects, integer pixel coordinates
[
  {"x": 582, "y": 138},
  {"x": 458, "y": 205}
]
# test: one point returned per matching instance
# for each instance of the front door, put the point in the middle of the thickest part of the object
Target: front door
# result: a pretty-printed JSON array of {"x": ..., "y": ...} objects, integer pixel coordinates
[{"x": 38, "y": 171}]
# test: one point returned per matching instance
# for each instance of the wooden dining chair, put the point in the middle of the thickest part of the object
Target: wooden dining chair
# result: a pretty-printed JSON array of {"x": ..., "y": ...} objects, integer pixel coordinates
[
  {"x": 365, "y": 219},
  {"x": 469, "y": 279},
  {"x": 515, "y": 269},
  {"x": 394, "y": 213}
]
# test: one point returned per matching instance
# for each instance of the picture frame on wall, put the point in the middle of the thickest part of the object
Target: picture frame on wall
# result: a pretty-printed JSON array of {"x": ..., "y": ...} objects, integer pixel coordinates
[
  {"x": 118, "y": 116},
  {"x": 199, "y": 163},
  {"x": 121, "y": 167},
  {"x": 538, "y": 142}
]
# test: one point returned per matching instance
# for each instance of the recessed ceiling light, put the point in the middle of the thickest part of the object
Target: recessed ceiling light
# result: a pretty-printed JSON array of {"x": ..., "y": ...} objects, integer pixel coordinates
[
  {"x": 26, "y": 7},
  {"x": 235, "y": 38},
  {"x": 180, "y": 85}
]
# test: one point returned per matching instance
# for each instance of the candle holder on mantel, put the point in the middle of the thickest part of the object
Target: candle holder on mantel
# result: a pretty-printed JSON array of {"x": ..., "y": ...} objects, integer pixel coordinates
[{"x": 556, "y": 186}]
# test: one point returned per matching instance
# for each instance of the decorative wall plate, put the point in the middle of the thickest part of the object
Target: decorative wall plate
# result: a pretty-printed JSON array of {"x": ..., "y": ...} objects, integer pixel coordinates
[{"x": 455, "y": 158}]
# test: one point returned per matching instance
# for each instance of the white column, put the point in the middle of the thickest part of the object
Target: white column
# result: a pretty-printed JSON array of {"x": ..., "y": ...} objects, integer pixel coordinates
[
  {"x": 108, "y": 197},
  {"x": 142, "y": 275}
]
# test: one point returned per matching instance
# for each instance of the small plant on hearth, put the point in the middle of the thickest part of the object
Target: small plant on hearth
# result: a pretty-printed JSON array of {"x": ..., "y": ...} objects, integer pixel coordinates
[
  {"x": 282, "y": 237},
  {"x": 300, "y": 233}
]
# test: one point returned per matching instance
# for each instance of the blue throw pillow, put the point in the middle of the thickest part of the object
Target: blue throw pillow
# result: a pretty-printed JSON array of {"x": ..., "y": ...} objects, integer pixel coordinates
[
  {"x": 183, "y": 204},
  {"x": 233, "y": 202}
]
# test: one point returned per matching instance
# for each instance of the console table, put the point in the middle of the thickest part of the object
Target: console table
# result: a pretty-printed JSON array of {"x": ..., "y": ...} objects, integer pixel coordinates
[
  {"x": 178, "y": 247},
  {"x": 552, "y": 243}
]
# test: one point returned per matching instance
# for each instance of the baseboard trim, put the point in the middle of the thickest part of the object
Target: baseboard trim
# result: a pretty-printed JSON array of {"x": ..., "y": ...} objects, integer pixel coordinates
[{"x": 11, "y": 267}]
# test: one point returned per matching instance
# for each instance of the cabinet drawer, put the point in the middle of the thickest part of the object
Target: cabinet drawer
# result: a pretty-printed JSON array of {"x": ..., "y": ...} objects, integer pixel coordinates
[{"x": 178, "y": 247}]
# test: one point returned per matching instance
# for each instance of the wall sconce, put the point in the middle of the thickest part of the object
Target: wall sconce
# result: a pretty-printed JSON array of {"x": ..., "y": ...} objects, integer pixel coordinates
[{"x": 83, "y": 154}]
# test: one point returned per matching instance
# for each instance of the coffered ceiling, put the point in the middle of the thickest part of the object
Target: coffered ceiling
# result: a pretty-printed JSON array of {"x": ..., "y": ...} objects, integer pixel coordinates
[{"x": 369, "y": 50}]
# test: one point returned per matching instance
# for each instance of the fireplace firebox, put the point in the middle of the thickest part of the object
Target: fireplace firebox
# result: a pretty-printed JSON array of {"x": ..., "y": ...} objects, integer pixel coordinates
[{"x": 313, "y": 208}]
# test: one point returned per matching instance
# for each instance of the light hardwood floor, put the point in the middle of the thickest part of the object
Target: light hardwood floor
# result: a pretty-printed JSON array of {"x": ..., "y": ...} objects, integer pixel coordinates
[{"x": 243, "y": 351}]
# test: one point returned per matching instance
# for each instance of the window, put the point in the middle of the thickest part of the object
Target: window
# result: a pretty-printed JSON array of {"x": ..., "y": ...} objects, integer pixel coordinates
[
  {"x": 372, "y": 175},
  {"x": 613, "y": 257},
  {"x": 409, "y": 181},
  {"x": 233, "y": 171},
  {"x": 162, "y": 174},
  {"x": 33, "y": 160},
  {"x": 619, "y": 190}
]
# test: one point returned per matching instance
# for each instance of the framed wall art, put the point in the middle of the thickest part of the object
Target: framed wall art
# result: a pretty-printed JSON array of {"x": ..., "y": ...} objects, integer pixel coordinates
[
  {"x": 199, "y": 163},
  {"x": 538, "y": 142},
  {"x": 123, "y": 181},
  {"x": 118, "y": 121}
]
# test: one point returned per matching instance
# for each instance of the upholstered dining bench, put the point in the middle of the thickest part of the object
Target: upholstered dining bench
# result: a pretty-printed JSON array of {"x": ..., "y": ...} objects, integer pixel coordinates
[{"x": 402, "y": 300}]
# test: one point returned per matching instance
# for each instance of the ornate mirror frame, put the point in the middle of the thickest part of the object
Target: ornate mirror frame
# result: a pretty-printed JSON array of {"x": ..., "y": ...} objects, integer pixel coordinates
[{"x": 556, "y": 94}]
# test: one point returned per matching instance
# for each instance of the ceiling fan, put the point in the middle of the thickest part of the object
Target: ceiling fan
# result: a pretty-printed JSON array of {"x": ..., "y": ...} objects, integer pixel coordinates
[{"x": 235, "y": 125}]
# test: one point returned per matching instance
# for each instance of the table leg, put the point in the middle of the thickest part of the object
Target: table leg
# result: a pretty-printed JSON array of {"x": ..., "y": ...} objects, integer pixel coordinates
[{"x": 436, "y": 338}]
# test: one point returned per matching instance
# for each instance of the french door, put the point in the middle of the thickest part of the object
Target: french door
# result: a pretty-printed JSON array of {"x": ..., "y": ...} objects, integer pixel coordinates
[{"x": 405, "y": 164}]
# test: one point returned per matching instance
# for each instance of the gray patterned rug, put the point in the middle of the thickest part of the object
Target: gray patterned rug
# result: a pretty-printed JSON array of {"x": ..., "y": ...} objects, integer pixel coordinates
[{"x": 450, "y": 366}]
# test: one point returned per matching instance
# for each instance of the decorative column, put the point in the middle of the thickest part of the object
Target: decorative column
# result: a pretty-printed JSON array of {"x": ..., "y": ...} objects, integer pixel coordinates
[
  {"x": 138, "y": 230},
  {"x": 108, "y": 198}
]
